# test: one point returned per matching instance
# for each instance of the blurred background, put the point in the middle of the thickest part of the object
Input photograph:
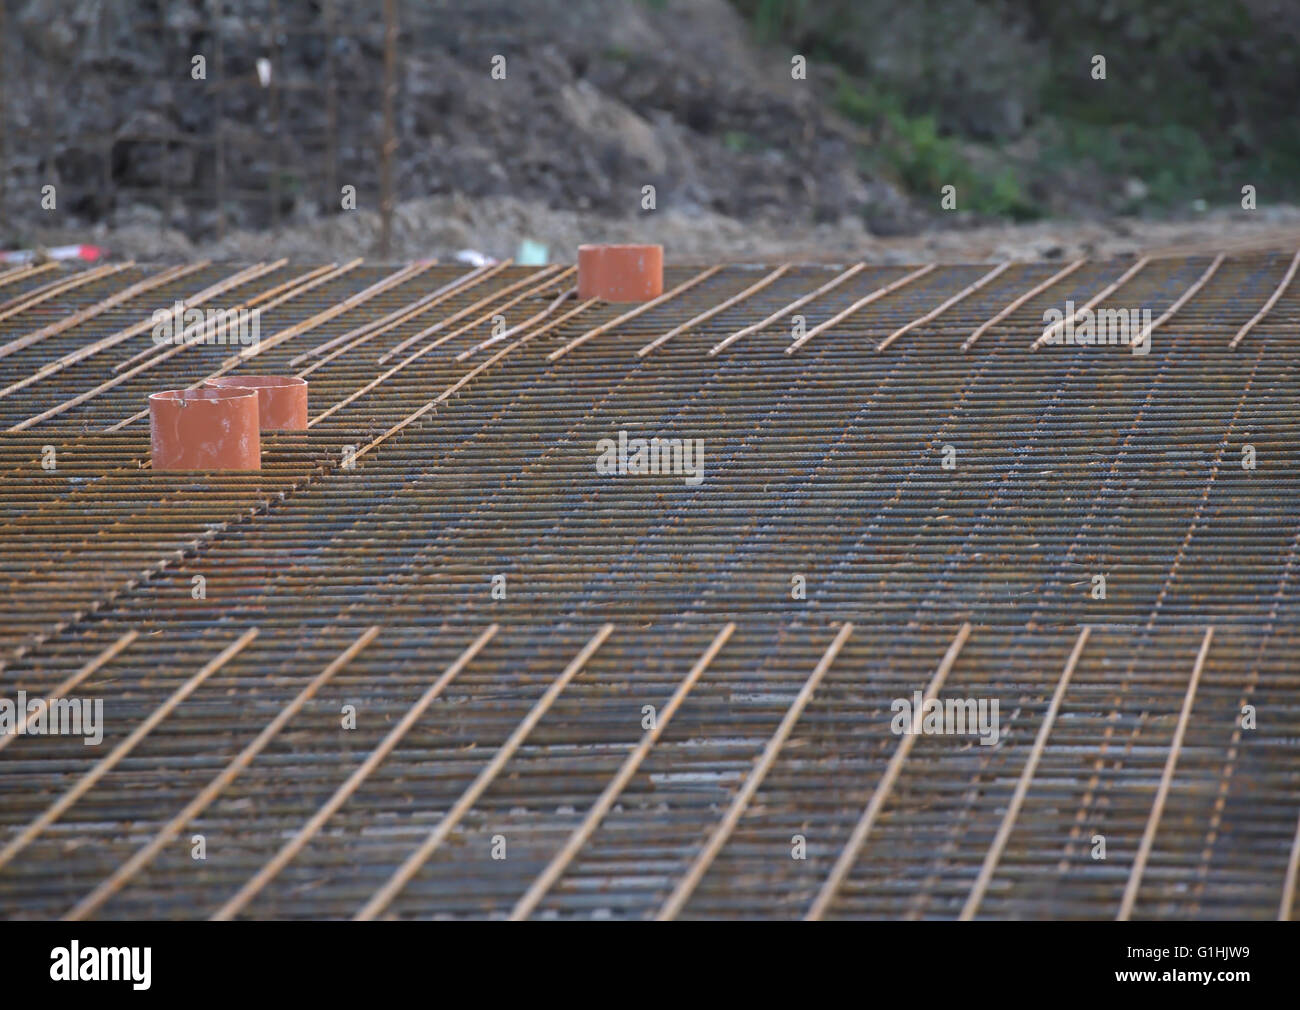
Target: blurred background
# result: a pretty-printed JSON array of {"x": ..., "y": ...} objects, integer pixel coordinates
[{"x": 234, "y": 128}]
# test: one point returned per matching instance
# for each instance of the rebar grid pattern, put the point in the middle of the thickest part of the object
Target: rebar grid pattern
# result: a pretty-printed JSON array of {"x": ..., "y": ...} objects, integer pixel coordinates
[{"x": 522, "y": 718}]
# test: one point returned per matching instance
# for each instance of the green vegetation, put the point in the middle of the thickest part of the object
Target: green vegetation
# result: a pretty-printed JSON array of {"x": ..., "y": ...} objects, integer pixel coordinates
[
  {"x": 1197, "y": 98},
  {"x": 1173, "y": 162},
  {"x": 912, "y": 150},
  {"x": 739, "y": 142}
]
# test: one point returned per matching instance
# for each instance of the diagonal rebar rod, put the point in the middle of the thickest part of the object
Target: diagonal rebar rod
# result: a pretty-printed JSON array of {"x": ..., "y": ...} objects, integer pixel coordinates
[
  {"x": 411, "y": 866},
  {"x": 1267, "y": 307},
  {"x": 853, "y": 847},
  {"x": 555, "y": 869},
  {"x": 1166, "y": 782},
  {"x": 114, "y": 758},
  {"x": 690, "y": 880},
  {"x": 309, "y": 830},
  {"x": 999, "y": 844},
  {"x": 122, "y": 875}
]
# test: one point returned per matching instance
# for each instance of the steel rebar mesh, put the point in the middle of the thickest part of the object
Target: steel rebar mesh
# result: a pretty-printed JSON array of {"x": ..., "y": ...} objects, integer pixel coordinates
[{"x": 826, "y": 463}]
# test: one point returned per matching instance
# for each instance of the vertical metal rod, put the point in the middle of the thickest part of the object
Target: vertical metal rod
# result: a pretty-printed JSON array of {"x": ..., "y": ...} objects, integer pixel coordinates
[
  {"x": 277, "y": 114},
  {"x": 106, "y": 106},
  {"x": 165, "y": 171},
  {"x": 331, "y": 110},
  {"x": 390, "y": 140},
  {"x": 219, "y": 89},
  {"x": 47, "y": 125},
  {"x": 4, "y": 124}
]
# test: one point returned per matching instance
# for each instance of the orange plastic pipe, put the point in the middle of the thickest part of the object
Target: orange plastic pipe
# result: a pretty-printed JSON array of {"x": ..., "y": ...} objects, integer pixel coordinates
[
  {"x": 282, "y": 399},
  {"x": 620, "y": 273},
  {"x": 205, "y": 429}
]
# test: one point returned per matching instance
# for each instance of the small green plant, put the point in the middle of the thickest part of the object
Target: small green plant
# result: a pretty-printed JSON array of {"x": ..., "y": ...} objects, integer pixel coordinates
[
  {"x": 1191, "y": 107},
  {"x": 738, "y": 141},
  {"x": 1173, "y": 162},
  {"x": 912, "y": 149}
]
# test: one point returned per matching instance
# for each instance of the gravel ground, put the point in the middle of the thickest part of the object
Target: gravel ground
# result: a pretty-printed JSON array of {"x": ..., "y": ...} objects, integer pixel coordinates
[{"x": 442, "y": 226}]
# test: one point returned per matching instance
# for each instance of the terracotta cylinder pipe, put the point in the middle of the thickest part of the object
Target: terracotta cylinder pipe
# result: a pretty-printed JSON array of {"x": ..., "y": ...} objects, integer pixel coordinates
[
  {"x": 282, "y": 399},
  {"x": 621, "y": 273},
  {"x": 205, "y": 429}
]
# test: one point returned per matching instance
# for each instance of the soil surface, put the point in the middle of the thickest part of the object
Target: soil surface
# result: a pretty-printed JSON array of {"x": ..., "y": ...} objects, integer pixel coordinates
[{"x": 598, "y": 101}]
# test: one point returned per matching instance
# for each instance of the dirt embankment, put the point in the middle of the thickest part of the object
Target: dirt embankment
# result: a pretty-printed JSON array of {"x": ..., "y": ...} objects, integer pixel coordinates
[{"x": 597, "y": 102}]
